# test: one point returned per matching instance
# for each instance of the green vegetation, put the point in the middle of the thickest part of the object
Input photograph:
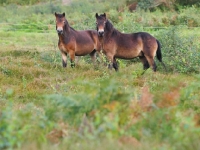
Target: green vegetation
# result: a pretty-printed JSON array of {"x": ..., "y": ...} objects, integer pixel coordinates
[
  {"x": 21, "y": 2},
  {"x": 43, "y": 106}
]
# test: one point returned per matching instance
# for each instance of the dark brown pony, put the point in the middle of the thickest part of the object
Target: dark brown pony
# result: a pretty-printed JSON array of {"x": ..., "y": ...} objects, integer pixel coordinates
[
  {"x": 75, "y": 43},
  {"x": 127, "y": 46}
]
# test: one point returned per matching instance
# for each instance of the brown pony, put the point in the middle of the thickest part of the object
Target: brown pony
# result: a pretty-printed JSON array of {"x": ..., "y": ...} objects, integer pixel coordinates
[
  {"x": 127, "y": 46},
  {"x": 75, "y": 43}
]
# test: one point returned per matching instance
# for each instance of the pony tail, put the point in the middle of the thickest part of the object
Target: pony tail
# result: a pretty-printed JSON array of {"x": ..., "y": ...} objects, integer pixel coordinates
[{"x": 158, "y": 52}]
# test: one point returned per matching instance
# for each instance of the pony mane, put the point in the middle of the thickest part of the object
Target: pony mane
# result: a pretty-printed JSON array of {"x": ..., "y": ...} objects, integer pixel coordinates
[
  {"x": 72, "y": 28},
  {"x": 110, "y": 28}
]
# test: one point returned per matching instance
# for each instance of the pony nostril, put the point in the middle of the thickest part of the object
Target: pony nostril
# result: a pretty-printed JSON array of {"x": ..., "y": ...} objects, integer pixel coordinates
[
  {"x": 101, "y": 33},
  {"x": 59, "y": 31}
]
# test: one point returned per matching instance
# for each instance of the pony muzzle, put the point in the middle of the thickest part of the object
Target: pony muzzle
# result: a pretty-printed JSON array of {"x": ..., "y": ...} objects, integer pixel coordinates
[
  {"x": 59, "y": 30},
  {"x": 101, "y": 33}
]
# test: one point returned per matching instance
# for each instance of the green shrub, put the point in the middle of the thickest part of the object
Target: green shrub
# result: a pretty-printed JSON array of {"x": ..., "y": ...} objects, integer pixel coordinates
[
  {"x": 158, "y": 124},
  {"x": 190, "y": 96},
  {"x": 186, "y": 2},
  {"x": 145, "y": 4},
  {"x": 21, "y": 2},
  {"x": 48, "y": 8},
  {"x": 73, "y": 107},
  {"x": 15, "y": 125},
  {"x": 180, "y": 53}
]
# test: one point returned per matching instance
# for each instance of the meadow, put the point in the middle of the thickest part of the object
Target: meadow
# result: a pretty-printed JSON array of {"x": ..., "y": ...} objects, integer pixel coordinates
[{"x": 46, "y": 106}]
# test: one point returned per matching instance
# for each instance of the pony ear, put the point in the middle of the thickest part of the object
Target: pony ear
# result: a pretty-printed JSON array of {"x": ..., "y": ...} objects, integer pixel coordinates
[
  {"x": 55, "y": 14},
  {"x": 64, "y": 14},
  {"x": 97, "y": 15},
  {"x": 104, "y": 15}
]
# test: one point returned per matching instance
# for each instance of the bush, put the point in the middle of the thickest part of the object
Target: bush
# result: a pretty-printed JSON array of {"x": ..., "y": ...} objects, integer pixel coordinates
[
  {"x": 72, "y": 108},
  {"x": 17, "y": 126},
  {"x": 190, "y": 96},
  {"x": 21, "y": 2},
  {"x": 180, "y": 53},
  {"x": 187, "y": 2}
]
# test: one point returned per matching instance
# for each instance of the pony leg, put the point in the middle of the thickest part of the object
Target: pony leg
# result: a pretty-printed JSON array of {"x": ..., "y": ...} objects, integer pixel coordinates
[
  {"x": 110, "y": 59},
  {"x": 151, "y": 63},
  {"x": 115, "y": 65},
  {"x": 64, "y": 59},
  {"x": 144, "y": 62},
  {"x": 72, "y": 58},
  {"x": 93, "y": 56}
]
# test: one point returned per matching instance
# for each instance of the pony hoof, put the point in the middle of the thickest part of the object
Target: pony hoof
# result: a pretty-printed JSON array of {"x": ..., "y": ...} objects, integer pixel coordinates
[{"x": 73, "y": 65}]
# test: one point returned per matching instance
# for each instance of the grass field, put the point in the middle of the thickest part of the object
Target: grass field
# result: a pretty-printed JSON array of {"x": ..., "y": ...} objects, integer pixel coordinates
[
  {"x": 42, "y": 103},
  {"x": 45, "y": 106}
]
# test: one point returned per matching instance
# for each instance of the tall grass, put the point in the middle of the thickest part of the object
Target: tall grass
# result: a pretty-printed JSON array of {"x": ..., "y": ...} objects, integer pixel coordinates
[
  {"x": 87, "y": 104},
  {"x": 44, "y": 106}
]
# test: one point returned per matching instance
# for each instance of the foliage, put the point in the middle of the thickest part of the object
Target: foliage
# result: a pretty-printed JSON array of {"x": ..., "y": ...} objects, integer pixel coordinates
[
  {"x": 181, "y": 53},
  {"x": 43, "y": 106},
  {"x": 186, "y": 2},
  {"x": 16, "y": 123},
  {"x": 31, "y": 18},
  {"x": 101, "y": 101},
  {"x": 145, "y": 4},
  {"x": 21, "y": 2},
  {"x": 190, "y": 97}
]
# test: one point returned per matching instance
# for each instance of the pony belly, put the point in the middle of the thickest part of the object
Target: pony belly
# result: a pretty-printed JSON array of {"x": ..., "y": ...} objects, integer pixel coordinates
[
  {"x": 127, "y": 54},
  {"x": 84, "y": 50}
]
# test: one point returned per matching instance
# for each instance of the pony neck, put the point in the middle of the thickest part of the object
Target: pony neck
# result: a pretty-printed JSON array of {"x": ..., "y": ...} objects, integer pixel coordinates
[{"x": 66, "y": 28}]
